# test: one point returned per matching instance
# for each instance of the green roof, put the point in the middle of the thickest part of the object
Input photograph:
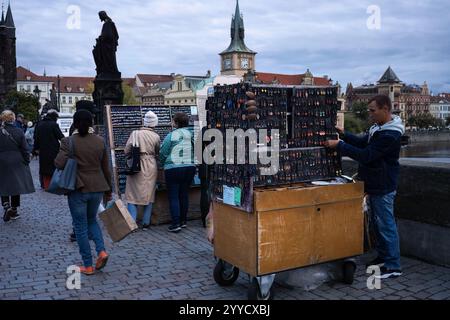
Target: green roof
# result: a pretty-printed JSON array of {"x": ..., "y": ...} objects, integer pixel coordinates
[{"x": 237, "y": 34}]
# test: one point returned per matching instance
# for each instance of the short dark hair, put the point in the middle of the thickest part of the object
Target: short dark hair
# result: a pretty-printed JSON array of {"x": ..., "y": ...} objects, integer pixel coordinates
[
  {"x": 82, "y": 121},
  {"x": 382, "y": 100},
  {"x": 181, "y": 119}
]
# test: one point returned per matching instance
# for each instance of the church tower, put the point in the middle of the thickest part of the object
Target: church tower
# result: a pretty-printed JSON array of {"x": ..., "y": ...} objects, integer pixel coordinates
[
  {"x": 237, "y": 59},
  {"x": 8, "y": 73}
]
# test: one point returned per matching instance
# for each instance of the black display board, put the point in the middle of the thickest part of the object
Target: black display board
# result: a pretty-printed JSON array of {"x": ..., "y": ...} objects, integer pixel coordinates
[
  {"x": 121, "y": 121},
  {"x": 305, "y": 117}
]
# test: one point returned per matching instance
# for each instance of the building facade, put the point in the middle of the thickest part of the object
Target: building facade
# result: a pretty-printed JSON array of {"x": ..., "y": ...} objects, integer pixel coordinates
[
  {"x": 70, "y": 90},
  {"x": 440, "y": 106},
  {"x": 407, "y": 100},
  {"x": 183, "y": 91},
  {"x": 143, "y": 84},
  {"x": 8, "y": 77},
  {"x": 67, "y": 90},
  {"x": 155, "y": 95},
  {"x": 29, "y": 82}
]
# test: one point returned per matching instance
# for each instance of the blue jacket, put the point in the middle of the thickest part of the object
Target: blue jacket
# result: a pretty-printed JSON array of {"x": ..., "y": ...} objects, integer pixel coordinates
[{"x": 377, "y": 153}]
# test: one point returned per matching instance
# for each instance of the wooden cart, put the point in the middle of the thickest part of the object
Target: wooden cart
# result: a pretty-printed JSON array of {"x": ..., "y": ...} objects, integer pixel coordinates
[{"x": 290, "y": 228}]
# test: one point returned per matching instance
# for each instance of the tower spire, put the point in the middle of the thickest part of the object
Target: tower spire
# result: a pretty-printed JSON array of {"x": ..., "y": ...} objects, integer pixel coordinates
[
  {"x": 2, "y": 21},
  {"x": 237, "y": 33},
  {"x": 9, "y": 21}
]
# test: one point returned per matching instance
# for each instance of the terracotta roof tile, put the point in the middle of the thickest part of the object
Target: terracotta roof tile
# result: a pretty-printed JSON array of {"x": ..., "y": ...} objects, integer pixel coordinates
[
  {"x": 286, "y": 79},
  {"x": 68, "y": 84},
  {"x": 146, "y": 79}
]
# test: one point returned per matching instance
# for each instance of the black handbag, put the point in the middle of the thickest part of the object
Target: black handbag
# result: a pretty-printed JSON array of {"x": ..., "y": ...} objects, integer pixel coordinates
[{"x": 133, "y": 162}]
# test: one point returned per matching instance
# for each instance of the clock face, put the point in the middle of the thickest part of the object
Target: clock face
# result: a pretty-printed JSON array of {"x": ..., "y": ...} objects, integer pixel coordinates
[
  {"x": 227, "y": 64},
  {"x": 244, "y": 63}
]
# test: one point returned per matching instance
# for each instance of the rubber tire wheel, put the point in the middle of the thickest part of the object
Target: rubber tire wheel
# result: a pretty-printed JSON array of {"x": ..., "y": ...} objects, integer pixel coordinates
[
  {"x": 255, "y": 294},
  {"x": 349, "y": 272},
  {"x": 223, "y": 279}
]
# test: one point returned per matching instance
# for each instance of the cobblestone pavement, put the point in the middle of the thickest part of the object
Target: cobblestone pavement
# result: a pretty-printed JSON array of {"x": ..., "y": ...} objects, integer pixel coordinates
[{"x": 35, "y": 253}]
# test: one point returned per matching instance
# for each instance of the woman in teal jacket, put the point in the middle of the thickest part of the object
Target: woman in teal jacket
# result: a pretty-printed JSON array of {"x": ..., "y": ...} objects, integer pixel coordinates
[{"x": 177, "y": 157}]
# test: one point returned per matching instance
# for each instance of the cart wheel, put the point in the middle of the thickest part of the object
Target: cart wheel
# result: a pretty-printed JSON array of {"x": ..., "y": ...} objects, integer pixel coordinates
[
  {"x": 224, "y": 277},
  {"x": 254, "y": 293},
  {"x": 349, "y": 268}
]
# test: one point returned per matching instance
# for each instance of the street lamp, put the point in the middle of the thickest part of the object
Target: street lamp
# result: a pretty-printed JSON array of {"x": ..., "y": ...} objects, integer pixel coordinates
[
  {"x": 37, "y": 94},
  {"x": 59, "y": 93}
]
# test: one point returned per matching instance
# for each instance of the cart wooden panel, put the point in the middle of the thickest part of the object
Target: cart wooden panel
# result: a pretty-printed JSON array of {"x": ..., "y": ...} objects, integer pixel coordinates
[{"x": 291, "y": 228}]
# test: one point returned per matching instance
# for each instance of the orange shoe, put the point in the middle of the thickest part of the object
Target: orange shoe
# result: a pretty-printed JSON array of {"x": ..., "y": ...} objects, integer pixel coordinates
[
  {"x": 101, "y": 260},
  {"x": 89, "y": 271}
]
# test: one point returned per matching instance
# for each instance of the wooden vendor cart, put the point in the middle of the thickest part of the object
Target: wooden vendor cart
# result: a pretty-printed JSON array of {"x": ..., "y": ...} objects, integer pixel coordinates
[{"x": 290, "y": 227}]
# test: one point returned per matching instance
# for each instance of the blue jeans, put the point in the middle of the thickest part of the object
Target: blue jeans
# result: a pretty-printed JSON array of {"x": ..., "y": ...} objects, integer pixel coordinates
[
  {"x": 132, "y": 208},
  {"x": 388, "y": 246},
  {"x": 83, "y": 208},
  {"x": 178, "y": 181}
]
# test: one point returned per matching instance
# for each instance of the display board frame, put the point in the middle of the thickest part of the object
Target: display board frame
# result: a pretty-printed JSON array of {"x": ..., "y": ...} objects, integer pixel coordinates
[{"x": 117, "y": 127}]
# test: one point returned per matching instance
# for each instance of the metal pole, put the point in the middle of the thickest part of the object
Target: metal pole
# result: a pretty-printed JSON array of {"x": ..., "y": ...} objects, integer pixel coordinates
[{"x": 59, "y": 94}]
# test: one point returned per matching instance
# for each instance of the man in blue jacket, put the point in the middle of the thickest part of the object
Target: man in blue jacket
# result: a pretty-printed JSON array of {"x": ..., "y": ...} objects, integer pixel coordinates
[{"x": 377, "y": 154}]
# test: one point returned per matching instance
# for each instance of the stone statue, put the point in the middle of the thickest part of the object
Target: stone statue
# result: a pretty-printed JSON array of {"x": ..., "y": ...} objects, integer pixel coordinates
[
  {"x": 47, "y": 106},
  {"x": 54, "y": 99},
  {"x": 105, "y": 50}
]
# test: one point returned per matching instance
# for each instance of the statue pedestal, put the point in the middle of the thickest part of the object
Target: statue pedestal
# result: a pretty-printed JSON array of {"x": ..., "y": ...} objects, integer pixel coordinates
[{"x": 108, "y": 91}]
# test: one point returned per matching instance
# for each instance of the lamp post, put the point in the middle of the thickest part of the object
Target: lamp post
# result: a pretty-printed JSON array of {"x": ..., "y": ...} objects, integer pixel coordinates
[
  {"x": 37, "y": 94},
  {"x": 59, "y": 94}
]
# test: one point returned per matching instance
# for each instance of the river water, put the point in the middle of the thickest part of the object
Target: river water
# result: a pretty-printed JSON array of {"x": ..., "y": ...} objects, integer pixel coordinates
[{"x": 426, "y": 150}]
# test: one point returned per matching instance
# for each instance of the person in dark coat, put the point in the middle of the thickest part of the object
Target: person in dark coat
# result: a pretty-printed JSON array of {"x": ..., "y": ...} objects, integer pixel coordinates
[
  {"x": 204, "y": 175},
  {"x": 46, "y": 144},
  {"x": 377, "y": 154},
  {"x": 14, "y": 170},
  {"x": 20, "y": 122}
]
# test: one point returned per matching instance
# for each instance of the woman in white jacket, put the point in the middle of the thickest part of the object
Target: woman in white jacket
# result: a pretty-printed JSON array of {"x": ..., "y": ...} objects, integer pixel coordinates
[{"x": 141, "y": 187}]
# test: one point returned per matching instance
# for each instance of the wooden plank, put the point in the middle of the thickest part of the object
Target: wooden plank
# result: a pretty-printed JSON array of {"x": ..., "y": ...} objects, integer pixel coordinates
[
  {"x": 289, "y": 198},
  {"x": 161, "y": 207},
  {"x": 115, "y": 174},
  {"x": 285, "y": 240},
  {"x": 338, "y": 230},
  {"x": 235, "y": 237}
]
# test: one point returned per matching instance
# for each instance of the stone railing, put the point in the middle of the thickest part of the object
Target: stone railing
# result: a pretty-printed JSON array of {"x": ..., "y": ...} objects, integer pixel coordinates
[{"x": 422, "y": 209}]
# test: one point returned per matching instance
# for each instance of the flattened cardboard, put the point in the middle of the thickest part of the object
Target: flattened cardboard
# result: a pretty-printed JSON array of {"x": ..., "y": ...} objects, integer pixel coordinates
[{"x": 118, "y": 221}]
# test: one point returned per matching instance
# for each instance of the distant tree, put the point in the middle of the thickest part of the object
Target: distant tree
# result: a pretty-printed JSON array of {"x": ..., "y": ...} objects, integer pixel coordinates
[
  {"x": 359, "y": 109},
  {"x": 128, "y": 95},
  {"x": 90, "y": 88},
  {"x": 354, "y": 124},
  {"x": 447, "y": 121},
  {"x": 425, "y": 120},
  {"x": 24, "y": 103},
  {"x": 128, "y": 98},
  {"x": 440, "y": 123}
]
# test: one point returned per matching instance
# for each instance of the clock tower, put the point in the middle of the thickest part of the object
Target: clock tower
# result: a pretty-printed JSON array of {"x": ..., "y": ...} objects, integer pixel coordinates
[{"x": 237, "y": 59}]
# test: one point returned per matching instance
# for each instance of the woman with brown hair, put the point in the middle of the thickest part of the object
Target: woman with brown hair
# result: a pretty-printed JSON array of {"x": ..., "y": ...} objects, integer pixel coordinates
[{"x": 93, "y": 185}]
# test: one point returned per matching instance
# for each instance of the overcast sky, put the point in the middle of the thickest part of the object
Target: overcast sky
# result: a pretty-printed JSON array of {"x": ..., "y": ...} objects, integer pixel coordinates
[{"x": 185, "y": 36}]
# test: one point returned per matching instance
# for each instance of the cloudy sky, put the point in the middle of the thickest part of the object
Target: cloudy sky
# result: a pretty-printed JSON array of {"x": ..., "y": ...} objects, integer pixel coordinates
[{"x": 342, "y": 39}]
